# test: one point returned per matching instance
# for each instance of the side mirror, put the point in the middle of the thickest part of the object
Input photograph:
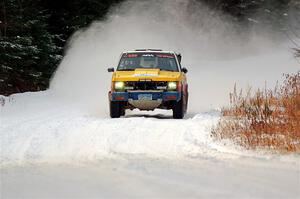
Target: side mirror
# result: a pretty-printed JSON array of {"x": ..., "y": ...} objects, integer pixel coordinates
[
  {"x": 184, "y": 70},
  {"x": 110, "y": 70},
  {"x": 179, "y": 57}
]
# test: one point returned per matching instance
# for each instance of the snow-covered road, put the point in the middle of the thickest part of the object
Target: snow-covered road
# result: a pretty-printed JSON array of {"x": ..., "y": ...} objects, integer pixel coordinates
[
  {"x": 53, "y": 150},
  {"x": 132, "y": 177}
]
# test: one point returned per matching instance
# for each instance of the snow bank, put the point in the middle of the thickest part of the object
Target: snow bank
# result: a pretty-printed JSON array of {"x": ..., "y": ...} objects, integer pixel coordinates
[
  {"x": 45, "y": 131},
  {"x": 36, "y": 128}
]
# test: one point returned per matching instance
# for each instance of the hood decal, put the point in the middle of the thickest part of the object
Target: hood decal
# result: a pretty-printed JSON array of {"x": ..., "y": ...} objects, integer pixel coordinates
[{"x": 145, "y": 75}]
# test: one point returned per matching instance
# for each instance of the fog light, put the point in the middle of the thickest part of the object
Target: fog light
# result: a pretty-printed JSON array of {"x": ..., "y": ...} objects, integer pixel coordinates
[
  {"x": 172, "y": 86},
  {"x": 119, "y": 86}
]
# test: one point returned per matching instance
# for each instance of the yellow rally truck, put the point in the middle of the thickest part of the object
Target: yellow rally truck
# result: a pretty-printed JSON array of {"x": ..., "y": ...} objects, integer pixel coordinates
[{"x": 147, "y": 79}]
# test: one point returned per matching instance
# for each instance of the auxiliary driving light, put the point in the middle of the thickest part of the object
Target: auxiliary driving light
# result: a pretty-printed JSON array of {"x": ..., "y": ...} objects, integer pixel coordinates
[
  {"x": 172, "y": 85},
  {"x": 119, "y": 85}
]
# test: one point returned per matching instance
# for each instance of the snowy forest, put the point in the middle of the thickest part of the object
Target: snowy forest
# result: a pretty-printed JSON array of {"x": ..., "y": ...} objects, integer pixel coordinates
[{"x": 34, "y": 34}]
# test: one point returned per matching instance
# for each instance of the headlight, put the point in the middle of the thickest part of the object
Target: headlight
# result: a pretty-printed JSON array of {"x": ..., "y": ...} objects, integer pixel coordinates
[
  {"x": 119, "y": 85},
  {"x": 172, "y": 86}
]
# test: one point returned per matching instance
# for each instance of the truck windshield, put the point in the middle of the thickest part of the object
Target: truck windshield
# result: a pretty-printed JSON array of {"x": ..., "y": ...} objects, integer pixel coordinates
[{"x": 162, "y": 61}]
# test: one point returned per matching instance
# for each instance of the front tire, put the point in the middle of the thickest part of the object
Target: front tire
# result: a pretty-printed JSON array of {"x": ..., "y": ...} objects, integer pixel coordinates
[
  {"x": 122, "y": 111},
  {"x": 114, "y": 109},
  {"x": 186, "y": 102},
  {"x": 178, "y": 109}
]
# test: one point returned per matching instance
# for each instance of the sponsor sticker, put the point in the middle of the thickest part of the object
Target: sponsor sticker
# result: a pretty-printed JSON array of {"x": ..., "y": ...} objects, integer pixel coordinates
[
  {"x": 145, "y": 75},
  {"x": 131, "y": 55},
  {"x": 165, "y": 56},
  {"x": 148, "y": 55}
]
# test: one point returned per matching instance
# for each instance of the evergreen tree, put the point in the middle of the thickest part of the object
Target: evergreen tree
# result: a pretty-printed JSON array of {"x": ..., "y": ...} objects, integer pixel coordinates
[
  {"x": 28, "y": 55},
  {"x": 32, "y": 37}
]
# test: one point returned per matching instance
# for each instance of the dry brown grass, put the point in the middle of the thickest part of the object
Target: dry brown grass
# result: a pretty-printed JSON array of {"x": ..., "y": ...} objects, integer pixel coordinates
[{"x": 268, "y": 119}]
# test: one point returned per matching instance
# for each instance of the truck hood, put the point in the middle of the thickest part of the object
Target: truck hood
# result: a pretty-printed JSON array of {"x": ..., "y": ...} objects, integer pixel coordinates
[{"x": 146, "y": 74}]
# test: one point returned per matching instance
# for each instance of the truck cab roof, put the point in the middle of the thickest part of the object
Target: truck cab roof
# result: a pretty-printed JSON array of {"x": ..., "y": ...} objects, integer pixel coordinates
[
  {"x": 150, "y": 51},
  {"x": 178, "y": 55}
]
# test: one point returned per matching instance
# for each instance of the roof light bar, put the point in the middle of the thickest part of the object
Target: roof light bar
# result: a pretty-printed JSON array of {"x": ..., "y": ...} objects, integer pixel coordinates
[{"x": 148, "y": 50}]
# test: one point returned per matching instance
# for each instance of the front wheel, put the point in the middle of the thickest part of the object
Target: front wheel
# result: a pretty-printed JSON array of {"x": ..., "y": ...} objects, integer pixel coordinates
[
  {"x": 114, "y": 109},
  {"x": 178, "y": 110}
]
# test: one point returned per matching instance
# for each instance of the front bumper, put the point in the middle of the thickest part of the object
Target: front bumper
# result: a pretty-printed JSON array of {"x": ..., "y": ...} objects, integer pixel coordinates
[{"x": 163, "y": 96}]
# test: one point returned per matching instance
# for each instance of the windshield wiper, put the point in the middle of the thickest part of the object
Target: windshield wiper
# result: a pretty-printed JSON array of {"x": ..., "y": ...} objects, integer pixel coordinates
[{"x": 168, "y": 70}]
